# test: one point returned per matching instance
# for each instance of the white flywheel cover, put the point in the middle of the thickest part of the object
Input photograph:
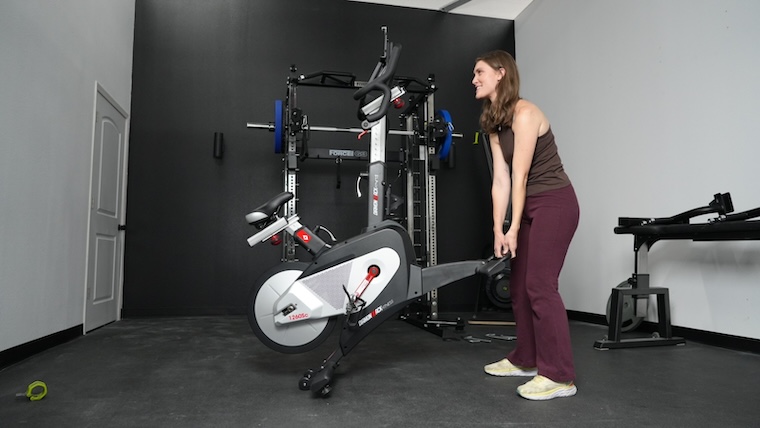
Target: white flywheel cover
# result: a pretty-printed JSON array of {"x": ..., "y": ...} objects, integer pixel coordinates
[{"x": 295, "y": 334}]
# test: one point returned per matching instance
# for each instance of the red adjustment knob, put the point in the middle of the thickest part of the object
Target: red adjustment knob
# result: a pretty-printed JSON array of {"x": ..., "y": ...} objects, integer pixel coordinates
[
  {"x": 275, "y": 240},
  {"x": 373, "y": 270},
  {"x": 398, "y": 103}
]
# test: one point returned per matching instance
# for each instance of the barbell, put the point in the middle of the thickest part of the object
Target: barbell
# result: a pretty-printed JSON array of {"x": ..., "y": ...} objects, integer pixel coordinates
[{"x": 444, "y": 135}]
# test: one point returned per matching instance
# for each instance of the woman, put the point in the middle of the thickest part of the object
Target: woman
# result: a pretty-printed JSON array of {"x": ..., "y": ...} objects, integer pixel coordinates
[{"x": 544, "y": 218}]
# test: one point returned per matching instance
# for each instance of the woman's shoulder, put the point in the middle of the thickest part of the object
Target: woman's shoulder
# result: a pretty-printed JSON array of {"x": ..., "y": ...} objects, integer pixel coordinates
[
  {"x": 526, "y": 108},
  {"x": 530, "y": 115}
]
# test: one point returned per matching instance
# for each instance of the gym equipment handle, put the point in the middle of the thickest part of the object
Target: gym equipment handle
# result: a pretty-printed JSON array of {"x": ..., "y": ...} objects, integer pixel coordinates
[{"x": 380, "y": 82}]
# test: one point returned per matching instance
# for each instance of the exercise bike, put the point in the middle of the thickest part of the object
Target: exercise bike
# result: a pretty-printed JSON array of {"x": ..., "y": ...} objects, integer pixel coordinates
[{"x": 361, "y": 281}]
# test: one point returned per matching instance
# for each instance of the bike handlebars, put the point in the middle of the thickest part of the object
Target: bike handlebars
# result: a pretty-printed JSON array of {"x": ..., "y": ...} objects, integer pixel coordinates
[{"x": 380, "y": 83}]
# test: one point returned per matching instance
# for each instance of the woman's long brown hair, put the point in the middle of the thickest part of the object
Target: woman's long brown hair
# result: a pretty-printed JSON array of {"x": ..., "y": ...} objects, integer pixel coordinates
[{"x": 500, "y": 112}]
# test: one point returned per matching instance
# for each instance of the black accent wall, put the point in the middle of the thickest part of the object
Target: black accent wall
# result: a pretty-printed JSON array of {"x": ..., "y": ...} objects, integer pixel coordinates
[{"x": 202, "y": 67}]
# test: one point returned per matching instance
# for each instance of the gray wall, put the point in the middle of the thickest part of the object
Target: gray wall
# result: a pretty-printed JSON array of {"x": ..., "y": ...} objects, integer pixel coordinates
[
  {"x": 654, "y": 105},
  {"x": 51, "y": 55}
]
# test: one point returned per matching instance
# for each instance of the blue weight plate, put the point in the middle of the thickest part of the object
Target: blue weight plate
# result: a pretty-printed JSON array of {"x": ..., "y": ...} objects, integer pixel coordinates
[
  {"x": 278, "y": 126},
  {"x": 445, "y": 145}
]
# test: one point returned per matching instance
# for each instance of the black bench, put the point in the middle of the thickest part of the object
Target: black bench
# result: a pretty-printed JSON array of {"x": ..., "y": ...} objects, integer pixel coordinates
[{"x": 648, "y": 231}]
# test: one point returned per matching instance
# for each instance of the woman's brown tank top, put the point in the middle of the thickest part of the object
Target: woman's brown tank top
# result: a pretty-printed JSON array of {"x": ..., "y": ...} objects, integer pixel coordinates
[{"x": 546, "y": 171}]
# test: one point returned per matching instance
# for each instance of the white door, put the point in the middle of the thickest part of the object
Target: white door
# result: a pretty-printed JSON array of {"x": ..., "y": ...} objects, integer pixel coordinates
[{"x": 103, "y": 292}]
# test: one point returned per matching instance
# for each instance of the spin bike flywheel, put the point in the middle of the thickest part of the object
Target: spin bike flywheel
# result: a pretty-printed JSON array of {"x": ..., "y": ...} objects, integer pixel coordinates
[
  {"x": 497, "y": 289},
  {"x": 301, "y": 336}
]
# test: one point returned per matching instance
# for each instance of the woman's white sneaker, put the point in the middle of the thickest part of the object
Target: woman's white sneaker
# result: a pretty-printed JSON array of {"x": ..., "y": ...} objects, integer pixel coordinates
[
  {"x": 506, "y": 368},
  {"x": 543, "y": 388}
]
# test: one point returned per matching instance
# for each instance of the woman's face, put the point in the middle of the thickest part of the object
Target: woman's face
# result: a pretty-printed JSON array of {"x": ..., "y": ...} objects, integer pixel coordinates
[{"x": 485, "y": 80}]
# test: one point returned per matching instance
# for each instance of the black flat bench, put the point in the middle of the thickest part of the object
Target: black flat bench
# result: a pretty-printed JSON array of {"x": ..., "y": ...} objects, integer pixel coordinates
[{"x": 645, "y": 233}]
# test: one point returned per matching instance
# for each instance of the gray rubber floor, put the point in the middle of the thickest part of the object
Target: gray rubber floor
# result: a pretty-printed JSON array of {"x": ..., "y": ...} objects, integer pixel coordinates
[{"x": 212, "y": 372}]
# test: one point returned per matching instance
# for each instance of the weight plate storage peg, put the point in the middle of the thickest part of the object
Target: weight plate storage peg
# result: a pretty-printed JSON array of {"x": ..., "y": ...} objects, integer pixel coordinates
[{"x": 629, "y": 320}]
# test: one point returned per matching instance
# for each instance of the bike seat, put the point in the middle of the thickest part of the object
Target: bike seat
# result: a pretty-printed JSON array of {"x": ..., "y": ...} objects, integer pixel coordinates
[{"x": 261, "y": 214}]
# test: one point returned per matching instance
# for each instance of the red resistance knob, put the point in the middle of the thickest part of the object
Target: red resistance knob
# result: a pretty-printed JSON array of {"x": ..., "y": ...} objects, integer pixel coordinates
[
  {"x": 275, "y": 240},
  {"x": 372, "y": 273}
]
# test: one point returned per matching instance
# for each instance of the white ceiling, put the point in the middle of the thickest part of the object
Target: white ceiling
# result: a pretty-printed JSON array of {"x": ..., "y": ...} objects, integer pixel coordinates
[{"x": 503, "y": 9}]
